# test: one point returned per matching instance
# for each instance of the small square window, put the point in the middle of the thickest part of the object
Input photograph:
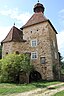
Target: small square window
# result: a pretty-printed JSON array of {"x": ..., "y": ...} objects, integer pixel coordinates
[
  {"x": 34, "y": 43},
  {"x": 42, "y": 60},
  {"x": 34, "y": 55}
]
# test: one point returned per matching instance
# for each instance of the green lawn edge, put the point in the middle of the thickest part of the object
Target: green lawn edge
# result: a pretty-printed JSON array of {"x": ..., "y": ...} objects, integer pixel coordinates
[
  {"x": 7, "y": 88},
  {"x": 61, "y": 93}
]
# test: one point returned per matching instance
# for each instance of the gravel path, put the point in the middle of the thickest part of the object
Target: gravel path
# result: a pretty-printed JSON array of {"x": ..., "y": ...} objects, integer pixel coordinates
[{"x": 49, "y": 91}]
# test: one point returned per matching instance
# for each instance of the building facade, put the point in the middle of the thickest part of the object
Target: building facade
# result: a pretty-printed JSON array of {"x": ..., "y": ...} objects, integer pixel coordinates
[{"x": 37, "y": 38}]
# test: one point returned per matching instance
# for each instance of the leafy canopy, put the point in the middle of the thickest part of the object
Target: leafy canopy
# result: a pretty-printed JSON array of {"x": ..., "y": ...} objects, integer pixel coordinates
[{"x": 12, "y": 65}]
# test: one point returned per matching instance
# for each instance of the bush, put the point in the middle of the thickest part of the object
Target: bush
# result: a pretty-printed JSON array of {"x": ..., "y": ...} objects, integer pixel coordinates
[
  {"x": 12, "y": 65},
  {"x": 0, "y": 51},
  {"x": 55, "y": 72}
]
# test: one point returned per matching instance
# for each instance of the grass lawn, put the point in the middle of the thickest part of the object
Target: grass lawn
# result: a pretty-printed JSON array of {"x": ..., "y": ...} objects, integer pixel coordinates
[
  {"x": 60, "y": 93},
  {"x": 6, "y": 88}
]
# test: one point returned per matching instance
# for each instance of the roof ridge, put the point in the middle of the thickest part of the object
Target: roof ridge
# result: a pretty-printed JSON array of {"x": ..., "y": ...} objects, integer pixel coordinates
[{"x": 12, "y": 32}]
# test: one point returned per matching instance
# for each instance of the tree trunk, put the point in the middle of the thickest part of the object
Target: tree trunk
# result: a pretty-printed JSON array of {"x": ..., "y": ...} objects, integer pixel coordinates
[{"x": 27, "y": 80}]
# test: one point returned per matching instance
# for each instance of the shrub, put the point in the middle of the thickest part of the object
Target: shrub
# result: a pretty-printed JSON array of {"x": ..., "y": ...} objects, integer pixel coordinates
[{"x": 12, "y": 65}]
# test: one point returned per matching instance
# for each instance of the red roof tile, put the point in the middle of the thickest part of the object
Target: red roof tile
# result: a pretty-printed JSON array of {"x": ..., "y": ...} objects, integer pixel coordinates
[
  {"x": 15, "y": 35},
  {"x": 35, "y": 19}
]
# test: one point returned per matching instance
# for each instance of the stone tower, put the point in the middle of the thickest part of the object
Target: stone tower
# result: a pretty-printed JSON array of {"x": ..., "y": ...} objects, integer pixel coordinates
[{"x": 38, "y": 38}]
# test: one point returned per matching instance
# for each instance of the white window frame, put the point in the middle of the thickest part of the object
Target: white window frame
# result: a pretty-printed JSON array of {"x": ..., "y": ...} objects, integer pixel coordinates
[
  {"x": 55, "y": 55},
  {"x": 54, "y": 44},
  {"x": 33, "y": 55},
  {"x": 34, "y": 40}
]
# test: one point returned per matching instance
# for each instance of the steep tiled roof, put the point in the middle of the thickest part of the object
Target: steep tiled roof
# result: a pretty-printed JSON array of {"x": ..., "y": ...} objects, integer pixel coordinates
[
  {"x": 15, "y": 35},
  {"x": 35, "y": 19}
]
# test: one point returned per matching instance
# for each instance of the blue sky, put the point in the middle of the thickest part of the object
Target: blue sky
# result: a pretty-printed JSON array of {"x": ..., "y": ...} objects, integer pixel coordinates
[{"x": 19, "y": 11}]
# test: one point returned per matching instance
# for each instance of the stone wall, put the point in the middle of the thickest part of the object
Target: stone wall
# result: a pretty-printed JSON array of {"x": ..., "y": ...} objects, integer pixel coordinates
[
  {"x": 54, "y": 49},
  {"x": 7, "y": 48},
  {"x": 41, "y": 33},
  {"x": 62, "y": 77}
]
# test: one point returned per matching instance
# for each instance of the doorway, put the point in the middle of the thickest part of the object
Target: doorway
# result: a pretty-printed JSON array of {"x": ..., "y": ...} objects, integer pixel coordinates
[{"x": 35, "y": 76}]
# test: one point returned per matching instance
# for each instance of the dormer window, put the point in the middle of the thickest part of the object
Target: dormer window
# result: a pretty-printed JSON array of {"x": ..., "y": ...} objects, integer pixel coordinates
[{"x": 34, "y": 42}]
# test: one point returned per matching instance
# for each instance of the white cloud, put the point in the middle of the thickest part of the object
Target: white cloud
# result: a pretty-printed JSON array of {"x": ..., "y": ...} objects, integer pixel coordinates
[
  {"x": 21, "y": 18},
  {"x": 15, "y": 14},
  {"x": 24, "y": 17},
  {"x": 3, "y": 32},
  {"x": 61, "y": 17},
  {"x": 61, "y": 11},
  {"x": 60, "y": 40},
  {"x": 60, "y": 36}
]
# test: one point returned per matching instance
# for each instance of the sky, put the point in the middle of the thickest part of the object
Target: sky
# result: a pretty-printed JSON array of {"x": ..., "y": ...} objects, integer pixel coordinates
[{"x": 19, "y": 11}]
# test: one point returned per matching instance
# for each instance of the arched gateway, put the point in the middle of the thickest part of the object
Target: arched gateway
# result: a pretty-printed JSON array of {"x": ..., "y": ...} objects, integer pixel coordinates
[{"x": 35, "y": 76}]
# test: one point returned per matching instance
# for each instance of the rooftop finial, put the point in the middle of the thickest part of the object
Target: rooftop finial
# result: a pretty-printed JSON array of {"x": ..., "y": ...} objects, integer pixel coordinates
[
  {"x": 38, "y": 0},
  {"x": 14, "y": 23}
]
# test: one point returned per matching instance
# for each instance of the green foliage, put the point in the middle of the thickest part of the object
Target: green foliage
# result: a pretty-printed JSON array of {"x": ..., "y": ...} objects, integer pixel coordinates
[
  {"x": 0, "y": 51},
  {"x": 12, "y": 65},
  {"x": 59, "y": 93},
  {"x": 55, "y": 72},
  {"x": 61, "y": 63},
  {"x": 7, "y": 89},
  {"x": 26, "y": 66}
]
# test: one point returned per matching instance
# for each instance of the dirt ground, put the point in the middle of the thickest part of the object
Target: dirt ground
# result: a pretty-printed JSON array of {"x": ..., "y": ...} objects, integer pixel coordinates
[{"x": 49, "y": 91}]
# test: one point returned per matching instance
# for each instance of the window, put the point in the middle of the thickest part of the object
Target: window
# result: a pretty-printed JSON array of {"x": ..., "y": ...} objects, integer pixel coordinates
[
  {"x": 34, "y": 55},
  {"x": 6, "y": 53},
  {"x": 55, "y": 55},
  {"x": 17, "y": 52},
  {"x": 42, "y": 60},
  {"x": 54, "y": 44},
  {"x": 31, "y": 31},
  {"x": 34, "y": 43}
]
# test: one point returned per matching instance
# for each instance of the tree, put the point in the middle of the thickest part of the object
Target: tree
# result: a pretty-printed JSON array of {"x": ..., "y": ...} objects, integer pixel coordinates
[
  {"x": 0, "y": 51},
  {"x": 12, "y": 65},
  {"x": 61, "y": 63},
  {"x": 26, "y": 66}
]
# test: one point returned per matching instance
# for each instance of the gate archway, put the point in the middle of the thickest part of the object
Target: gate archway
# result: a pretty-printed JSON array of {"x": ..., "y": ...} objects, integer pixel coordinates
[{"x": 35, "y": 76}]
